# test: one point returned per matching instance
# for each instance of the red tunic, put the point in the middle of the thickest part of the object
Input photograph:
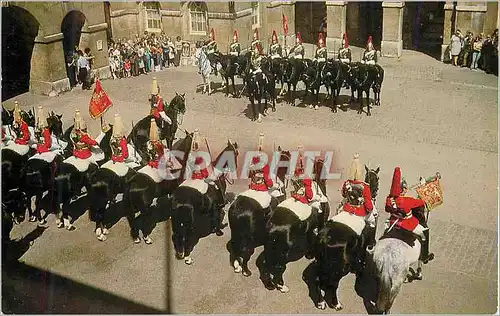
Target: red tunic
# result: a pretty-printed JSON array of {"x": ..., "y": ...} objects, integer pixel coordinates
[
  {"x": 25, "y": 134},
  {"x": 155, "y": 111},
  {"x": 366, "y": 207},
  {"x": 405, "y": 204},
  {"x": 44, "y": 145},
  {"x": 124, "y": 151},
  {"x": 159, "y": 154},
  {"x": 84, "y": 152},
  {"x": 308, "y": 194},
  {"x": 199, "y": 174},
  {"x": 268, "y": 183}
]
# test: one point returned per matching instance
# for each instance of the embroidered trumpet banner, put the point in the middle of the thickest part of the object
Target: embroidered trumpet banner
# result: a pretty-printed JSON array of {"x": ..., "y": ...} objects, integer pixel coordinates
[{"x": 100, "y": 102}]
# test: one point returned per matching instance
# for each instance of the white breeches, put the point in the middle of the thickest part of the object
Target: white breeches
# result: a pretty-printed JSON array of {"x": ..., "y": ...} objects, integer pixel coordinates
[
  {"x": 419, "y": 230},
  {"x": 256, "y": 71},
  {"x": 165, "y": 117},
  {"x": 275, "y": 56},
  {"x": 344, "y": 60},
  {"x": 297, "y": 57},
  {"x": 321, "y": 60},
  {"x": 370, "y": 62},
  {"x": 234, "y": 53}
]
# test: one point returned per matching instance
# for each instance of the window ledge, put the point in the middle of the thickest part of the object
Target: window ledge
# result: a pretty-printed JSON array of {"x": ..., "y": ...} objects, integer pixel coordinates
[
  {"x": 155, "y": 30},
  {"x": 197, "y": 33}
]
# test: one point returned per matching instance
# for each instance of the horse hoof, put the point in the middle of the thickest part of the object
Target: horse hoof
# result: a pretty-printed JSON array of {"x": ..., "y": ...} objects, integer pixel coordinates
[
  {"x": 137, "y": 240},
  {"x": 338, "y": 307},
  {"x": 148, "y": 240},
  {"x": 368, "y": 114},
  {"x": 105, "y": 231},
  {"x": 274, "y": 109},
  {"x": 98, "y": 231},
  {"x": 283, "y": 288},
  {"x": 321, "y": 305},
  {"x": 60, "y": 225},
  {"x": 219, "y": 232},
  {"x": 247, "y": 273},
  {"x": 71, "y": 228},
  {"x": 310, "y": 106},
  {"x": 316, "y": 107},
  {"x": 188, "y": 260},
  {"x": 42, "y": 222},
  {"x": 238, "y": 269}
]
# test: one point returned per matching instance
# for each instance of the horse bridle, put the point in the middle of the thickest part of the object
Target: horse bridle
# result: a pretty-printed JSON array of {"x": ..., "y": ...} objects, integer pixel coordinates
[{"x": 235, "y": 151}]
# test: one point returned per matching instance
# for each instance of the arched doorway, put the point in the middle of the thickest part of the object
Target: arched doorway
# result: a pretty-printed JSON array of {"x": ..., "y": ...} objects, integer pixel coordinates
[
  {"x": 423, "y": 27},
  {"x": 71, "y": 27},
  {"x": 308, "y": 19},
  {"x": 19, "y": 29},
  {"x": 364, "y": 19}
]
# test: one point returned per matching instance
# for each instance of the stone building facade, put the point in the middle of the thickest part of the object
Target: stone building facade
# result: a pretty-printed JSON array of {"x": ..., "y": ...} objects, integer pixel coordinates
[{"x": 388, "y": 23}]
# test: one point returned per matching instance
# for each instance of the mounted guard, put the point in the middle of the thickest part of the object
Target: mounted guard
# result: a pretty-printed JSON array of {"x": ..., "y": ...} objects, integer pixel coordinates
[
  {"x": 42, "y": 132},
  {"x": 207, "y": 183},
  {"x": 275, "y": 50},
  {"x": 344, "y": 54},
  {"x": 235, "y": 48},
  {"x": 154, "y": 146},
  {"x": 320, "y": 56},
  {"x": 257, "y": 62},
  {"x": 83, "y": 158},
  {"x": 256, "y": 41},
  {"x": 298, "y": 51},
  {"x": 211, "y": 50},
  {"x": 401, "y": 208},
  {"x": 158, "y": 105},
  {"x": 370, "y": 54},
  {"x": 20, "y": 127}
]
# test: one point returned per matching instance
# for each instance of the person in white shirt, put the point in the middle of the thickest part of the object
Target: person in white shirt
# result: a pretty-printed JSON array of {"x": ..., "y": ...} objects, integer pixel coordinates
[{"x": 83, "y": 68}]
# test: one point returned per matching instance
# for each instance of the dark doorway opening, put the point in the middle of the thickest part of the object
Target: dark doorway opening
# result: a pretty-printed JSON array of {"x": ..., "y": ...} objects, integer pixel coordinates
[
  {"x": 423, "y": 27},
  {"x": 19, "y": 29},
  {"x": 309, "y": 19},
  {"x": 71, "y": 28},
  {"x": 107, "y": 17},
  {"x": 364, "y": 19}
]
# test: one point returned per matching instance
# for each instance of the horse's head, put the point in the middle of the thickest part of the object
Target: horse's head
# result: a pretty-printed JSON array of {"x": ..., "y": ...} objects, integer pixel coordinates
[
  {"x": 178, "y": 103},
  {"x": 55, "y": 124},
  {"x": 28, "y": 117},
  {"x": 285, "y": 156},
  {"x": 232, "y": 149},
  {"x": 372, "y": 179},
  {"x": 7, "y": 117},
  {"x": 105, "y": 144}
]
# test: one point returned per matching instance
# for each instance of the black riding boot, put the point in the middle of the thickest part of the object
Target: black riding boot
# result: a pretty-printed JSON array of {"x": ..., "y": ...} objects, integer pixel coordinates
[{"x": 425, "y": 256}]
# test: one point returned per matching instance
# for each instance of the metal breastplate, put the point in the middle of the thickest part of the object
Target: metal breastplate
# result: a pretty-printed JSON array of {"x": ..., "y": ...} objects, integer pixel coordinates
[
  {"x": 370, "y": 55},
  {"x": 298, "y": 187},
  {"x": 39, "y": 135},
  {"x": 344, "y": 53},
  {"x": 235, "y": 47},
  {"x": 116, "y": 149},
  {"x": 79, "y": 145},
  {"x": 275, "y": 49}
]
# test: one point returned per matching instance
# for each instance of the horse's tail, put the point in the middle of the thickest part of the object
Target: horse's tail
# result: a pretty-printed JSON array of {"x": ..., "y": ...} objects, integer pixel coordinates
[
  {"x": 99, "y": 195},
  {"x": 242, "y": 227},
  {"x": 391, "y": 276}
]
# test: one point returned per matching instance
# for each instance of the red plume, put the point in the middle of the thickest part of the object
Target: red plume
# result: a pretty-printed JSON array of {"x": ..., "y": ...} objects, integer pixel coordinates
[
  {"x": 320, "y": 37},
  {"x": 299, "y": 38},
  {"x": 275, "y": 37},
  {"x": 235, "y": 34},
  {"x": 396, "y": 183},
  {"x": 256, "y": 32},
  {"x": 213, "y": 34},
  {"x": 346, "y": 42}
]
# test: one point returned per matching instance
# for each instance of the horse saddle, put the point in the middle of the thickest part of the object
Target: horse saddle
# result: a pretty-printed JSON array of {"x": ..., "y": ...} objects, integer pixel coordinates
[
  {"x": 118, "y": 168},
  {"x": 132, "y": 156},
  {"x": 356, "y": 223},
  {"x": 318, "y": 195},
  {"x": 401, "y": 234},
  {"x": 261, "y": 197},
  {"x": 303, "y": 211},
  {"x": 82, "y": 165},
  {"x": 97, "y": 154},
  {"x": 197, "y": 184},
  {"x": 152, "y": 173},
  {"x": 18, "y": 149},
  {"x": 48, "y": 156}
]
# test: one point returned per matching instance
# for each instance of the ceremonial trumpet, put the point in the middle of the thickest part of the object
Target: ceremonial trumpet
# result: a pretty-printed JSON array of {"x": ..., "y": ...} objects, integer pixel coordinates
[{"x": 433, "y": 178}]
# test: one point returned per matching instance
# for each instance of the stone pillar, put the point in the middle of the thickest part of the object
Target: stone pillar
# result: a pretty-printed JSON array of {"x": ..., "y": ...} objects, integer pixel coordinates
[
  {"x": 392, "y": 29},
  {"x": 336, "y": 13},
  {"x": 448, "y": 15}
]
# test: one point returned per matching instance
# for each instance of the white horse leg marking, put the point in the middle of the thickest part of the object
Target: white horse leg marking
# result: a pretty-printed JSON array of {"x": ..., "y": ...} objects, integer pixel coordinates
[
  {"x": 283, "y": 288},
  {"x": 98, "y": 231},
  {"x": 105, "y": 231},
  {"x": 188, "y": 260},
  {"x": 148, "y": 240},
  {"x": 155, "y": 202},
  {"x": 338, "y": 307},
  {"x": 237, "y": 267},
  {"x": 322, "y": 303}
]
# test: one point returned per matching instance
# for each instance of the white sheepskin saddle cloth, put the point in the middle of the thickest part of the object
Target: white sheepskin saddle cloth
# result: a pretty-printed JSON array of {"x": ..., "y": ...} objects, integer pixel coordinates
[
  {"x": 303, "y": 211},
  {"x": 19, "y": 149},
  {"x": 356, "y": 223},
  {"x": 81, "y": 165},
  {"x": 277, "y": 193},
  {"x": 132, "y": 156},
  {"x": 318, "y": 196},
  {"x": 262, "y": 197},
  {"x": 197, "y": 184},
  {"x": 58, "y": 143},
  {"x": 48, "y": 156},
  {"x": 152, "y": 173},
  {"x": 97, "y": 154},
  {"x": 118, "y": 168}
]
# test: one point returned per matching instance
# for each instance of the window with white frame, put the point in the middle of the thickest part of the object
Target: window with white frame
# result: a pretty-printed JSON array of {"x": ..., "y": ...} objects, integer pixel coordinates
[
  {"x": 255, "y": 14},
  {"x": 198, "y": 17},
  {"x": 153, "y": 15}
]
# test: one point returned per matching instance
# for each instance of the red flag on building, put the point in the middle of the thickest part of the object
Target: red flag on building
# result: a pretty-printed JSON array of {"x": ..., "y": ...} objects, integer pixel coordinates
[
  {"x": 100, "y": 102},
  {"x": 285, "y": 25}
]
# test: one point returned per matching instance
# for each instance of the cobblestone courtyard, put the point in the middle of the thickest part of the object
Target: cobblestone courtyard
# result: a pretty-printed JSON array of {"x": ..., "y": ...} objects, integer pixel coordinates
[{"x": 433, "y": 117}]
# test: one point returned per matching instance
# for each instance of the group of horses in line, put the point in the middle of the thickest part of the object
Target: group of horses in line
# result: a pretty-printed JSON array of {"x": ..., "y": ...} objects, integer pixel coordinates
[
  {"x": 334, "y": 75},
  {"x": 285, "y": 236}
]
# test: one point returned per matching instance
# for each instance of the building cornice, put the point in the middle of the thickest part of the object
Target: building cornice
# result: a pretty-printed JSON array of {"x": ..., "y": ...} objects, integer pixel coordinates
[
  {"x": 95, "y": 28},
  {"x": 467, "y": 8},
  {"x": 336, "y": 3},
  {"x": 243, "y": 13},
  {"x": 221, "y": 15},
  {"x": 118, "y": 13},
  {"x": 49, "y": 38},
  {"x": 397, "y": 5},
  {"x": 173, "y": 13}
]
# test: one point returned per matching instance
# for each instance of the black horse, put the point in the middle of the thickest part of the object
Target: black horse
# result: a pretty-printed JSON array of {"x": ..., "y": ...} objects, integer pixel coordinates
[
  {"x": 339, "y": 250},
  {"x": 139, "y": 135},
  {"x": 333, "y": 78},
  {"x": 69, "y": 181},
  {"x": 142, "y": 192},
  {"x": 38, "y": 175},
  {"x": 256, "y": 87},
  {"x": 293, "y": 69},
  {"x": 312, "y": 79},
  {"x": 377, "y": 83},
  {"x": 361, "y": 78},
  {"x": 275, "y": 67},
  {"x": 247, "y": 221},
  {"x": 190, "y": 206},
  {"x": 228, "y": 70},
  {"x": 290, "y": 237}
]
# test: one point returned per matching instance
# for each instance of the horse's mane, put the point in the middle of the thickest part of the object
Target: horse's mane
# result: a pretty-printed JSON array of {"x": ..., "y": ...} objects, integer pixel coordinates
[{"x": 229, "y": 147}]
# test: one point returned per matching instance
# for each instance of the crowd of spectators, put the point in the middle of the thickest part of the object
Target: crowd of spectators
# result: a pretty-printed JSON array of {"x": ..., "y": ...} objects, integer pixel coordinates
[
  {"x": 142, "y": 55},
  {"x": 475, "y": 51}
]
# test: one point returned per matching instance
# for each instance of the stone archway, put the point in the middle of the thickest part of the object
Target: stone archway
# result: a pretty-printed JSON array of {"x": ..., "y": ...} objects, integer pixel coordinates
[
  {"x": 308, "y": 19},
  {"x": 19, "y": 30},
  {"x": 71, "y": 28}
]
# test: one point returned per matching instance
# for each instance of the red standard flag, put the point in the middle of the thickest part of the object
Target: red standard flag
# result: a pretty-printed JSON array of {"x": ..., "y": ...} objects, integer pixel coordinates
[
  {"x": 285, "y": 25},
  {"x": 100, "y": 102}
]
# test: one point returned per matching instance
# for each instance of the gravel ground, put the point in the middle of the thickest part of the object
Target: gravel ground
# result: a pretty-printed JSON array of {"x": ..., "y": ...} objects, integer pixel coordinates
[{"x": 433, "y": 117}]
